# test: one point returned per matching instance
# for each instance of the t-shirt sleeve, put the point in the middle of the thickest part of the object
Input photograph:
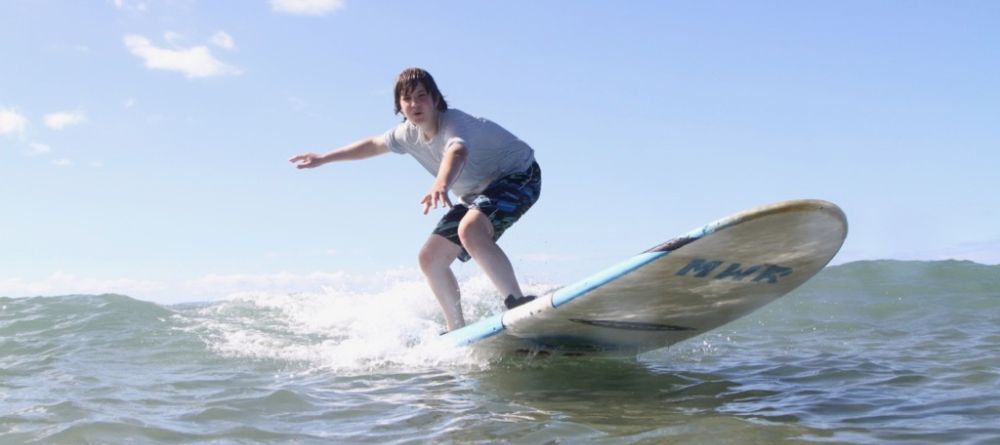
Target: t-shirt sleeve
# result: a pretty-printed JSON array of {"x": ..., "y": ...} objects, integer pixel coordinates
[
  {"x": 454, "y": 140},
  {"x": 453, "y": 134},
  {"x": 392, "y": 139}
]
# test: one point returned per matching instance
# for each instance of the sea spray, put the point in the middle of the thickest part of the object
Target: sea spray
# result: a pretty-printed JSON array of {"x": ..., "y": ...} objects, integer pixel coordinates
[{"x": 343, "y": 330}]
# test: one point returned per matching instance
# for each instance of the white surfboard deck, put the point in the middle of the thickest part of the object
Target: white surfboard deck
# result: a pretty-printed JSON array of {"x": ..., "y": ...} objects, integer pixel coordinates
[{"x": 676, "y": 290}]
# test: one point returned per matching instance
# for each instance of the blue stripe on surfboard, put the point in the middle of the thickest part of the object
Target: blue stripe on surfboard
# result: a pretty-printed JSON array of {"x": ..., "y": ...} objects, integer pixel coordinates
[
  {"x": 479, "y": 330},
  {"x": 569, "y": 293},
  {"x": 493, "y": 325}
]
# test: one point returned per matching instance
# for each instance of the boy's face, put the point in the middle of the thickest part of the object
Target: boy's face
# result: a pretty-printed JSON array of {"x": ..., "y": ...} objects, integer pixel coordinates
[{"x": 418, "y": 106}]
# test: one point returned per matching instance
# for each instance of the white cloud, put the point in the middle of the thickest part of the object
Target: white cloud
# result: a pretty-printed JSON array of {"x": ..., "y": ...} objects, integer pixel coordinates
[
  {"x": 219, "y": 285},
  {"x": 984, "y": 252},
  {"x": 216, "y": 286},
  {"x": 62, "y": 162},
  {"x": 62, "y": 119},
  {"x": 61, "y": 283},
  {"x": 11, "y": 121},
  {"x": 130, "y": 102},
  {"x": 193, "y": 62},
  {"x": 223, "y": 40},
  {"x": 39, "y": 149},
  {"x": 307, "y": 7}
]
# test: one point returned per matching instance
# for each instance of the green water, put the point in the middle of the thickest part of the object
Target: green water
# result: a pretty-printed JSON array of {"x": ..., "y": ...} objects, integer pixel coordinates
[{"x": 872, "y": 352}]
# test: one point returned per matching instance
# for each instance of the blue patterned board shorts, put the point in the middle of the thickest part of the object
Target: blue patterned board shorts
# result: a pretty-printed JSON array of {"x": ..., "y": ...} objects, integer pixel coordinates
[{"x": 504, "y": 201}]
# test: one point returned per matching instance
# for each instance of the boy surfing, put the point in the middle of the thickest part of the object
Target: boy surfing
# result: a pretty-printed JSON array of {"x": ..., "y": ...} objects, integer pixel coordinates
[{"x": 491, "y": 171}]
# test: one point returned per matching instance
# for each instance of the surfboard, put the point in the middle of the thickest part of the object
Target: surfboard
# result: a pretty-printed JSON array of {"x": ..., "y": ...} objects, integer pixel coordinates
[{"x": 673, "y": 291}]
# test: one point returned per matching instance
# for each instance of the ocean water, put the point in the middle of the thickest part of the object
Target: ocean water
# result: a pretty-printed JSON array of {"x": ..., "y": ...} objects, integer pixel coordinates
[{"x": 868, "y": 352}]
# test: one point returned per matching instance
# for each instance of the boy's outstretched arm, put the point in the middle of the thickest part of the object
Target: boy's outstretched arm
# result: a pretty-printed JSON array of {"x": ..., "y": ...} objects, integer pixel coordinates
[{"x": 362, "y": 149}]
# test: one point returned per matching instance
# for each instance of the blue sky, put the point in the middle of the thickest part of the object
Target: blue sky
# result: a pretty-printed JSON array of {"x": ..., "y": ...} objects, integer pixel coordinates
[{"x": 144, "y": 143}]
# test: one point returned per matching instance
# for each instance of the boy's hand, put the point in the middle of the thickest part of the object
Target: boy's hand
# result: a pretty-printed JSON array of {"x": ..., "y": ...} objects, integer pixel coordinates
[
  {"x": 306, "y": 160},
  {"x": 438, "y": 194}
]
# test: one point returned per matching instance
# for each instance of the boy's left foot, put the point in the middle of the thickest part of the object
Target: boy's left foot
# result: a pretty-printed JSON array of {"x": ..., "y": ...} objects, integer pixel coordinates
[{"x": 512, "y": 302}]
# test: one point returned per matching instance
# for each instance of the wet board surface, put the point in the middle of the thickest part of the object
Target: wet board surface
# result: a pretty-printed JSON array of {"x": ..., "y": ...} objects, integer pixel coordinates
[{"x": 674, "y": 291}]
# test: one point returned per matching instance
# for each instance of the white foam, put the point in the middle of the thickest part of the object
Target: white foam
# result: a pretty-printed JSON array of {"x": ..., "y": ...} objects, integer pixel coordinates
[{"x": 345, "y": 329}]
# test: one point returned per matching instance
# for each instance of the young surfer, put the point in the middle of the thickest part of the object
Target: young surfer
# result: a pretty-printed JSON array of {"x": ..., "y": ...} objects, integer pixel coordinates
[{"x": 493, "y": 173}]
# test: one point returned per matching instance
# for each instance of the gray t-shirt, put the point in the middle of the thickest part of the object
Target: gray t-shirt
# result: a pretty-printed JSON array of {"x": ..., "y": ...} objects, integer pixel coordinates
[{"x": 493, "y": 152}]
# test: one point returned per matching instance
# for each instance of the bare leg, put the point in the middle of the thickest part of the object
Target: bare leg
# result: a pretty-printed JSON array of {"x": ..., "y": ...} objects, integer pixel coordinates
[
  {"x": 476, "y": 234},
  {"x": 435, "y": 260}
]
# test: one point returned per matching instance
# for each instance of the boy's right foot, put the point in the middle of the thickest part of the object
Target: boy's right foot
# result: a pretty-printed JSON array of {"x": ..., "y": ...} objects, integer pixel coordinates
[{"x": 512, "y": 302}]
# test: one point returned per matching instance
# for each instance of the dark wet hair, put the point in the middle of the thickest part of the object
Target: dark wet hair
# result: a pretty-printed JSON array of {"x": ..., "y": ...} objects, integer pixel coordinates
[{"x": 410, "y": 78}]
